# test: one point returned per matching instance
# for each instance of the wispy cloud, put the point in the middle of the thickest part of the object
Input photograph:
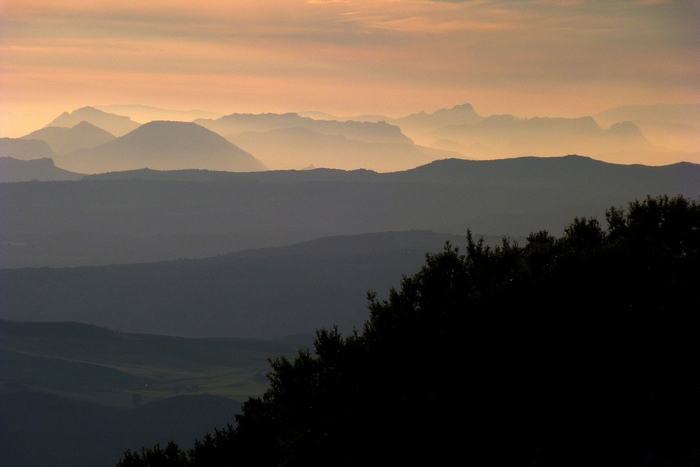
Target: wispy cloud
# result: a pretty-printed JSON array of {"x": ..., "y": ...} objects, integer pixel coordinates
[{"x": 348, "y": 55}]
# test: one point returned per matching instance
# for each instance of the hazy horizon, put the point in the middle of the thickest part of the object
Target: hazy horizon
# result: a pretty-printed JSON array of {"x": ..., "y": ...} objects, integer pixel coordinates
[{"x": 562, "y": 58}]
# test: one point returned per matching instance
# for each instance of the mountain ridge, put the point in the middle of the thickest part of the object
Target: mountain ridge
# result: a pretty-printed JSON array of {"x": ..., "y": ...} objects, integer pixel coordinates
[
  {"x": 375, "y": 132},
  {"x": 118, "y": 125},
  {"x": 340, "y": 270},
  {"x": 147, "y": 215},
  {"x": 63, "y": 140},
  {"x": 163, "y": 145},
  {"x": 25, "y": 149},
  {"x": 673, "y": 136},
  {"x": 43, "y": 169}
]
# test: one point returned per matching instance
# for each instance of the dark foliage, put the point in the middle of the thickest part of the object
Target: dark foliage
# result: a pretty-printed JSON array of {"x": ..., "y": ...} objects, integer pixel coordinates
[{"x": 572, "y": 351}]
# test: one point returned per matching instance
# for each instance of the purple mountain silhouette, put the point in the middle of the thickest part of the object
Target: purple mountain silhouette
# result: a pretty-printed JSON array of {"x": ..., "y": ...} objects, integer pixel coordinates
[
  {"x": 163, "y": 145},
  {"x": 118, "y": 125},
  {"x": 63, "y": 140}
]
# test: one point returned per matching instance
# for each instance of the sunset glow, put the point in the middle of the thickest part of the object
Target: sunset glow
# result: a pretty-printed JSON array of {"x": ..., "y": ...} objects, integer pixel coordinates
[{"x": 562, "y": 58}]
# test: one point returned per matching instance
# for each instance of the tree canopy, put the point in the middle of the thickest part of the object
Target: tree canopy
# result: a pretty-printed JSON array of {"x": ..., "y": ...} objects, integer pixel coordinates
[{"x": 577, "y": 350}]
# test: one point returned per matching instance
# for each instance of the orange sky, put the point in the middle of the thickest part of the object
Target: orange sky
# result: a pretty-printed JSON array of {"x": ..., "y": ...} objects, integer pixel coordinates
[{"x": 564, "y": 58}]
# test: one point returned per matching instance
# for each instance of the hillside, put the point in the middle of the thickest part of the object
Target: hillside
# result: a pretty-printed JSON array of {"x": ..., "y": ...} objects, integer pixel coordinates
[
  {"x": 151, "y": 216},
  {"x": 15, "y": 170},
  {"x": 118, "y": 390},
  {"x": 564, "y": 351},
  {"x": 265, "y": 293}
]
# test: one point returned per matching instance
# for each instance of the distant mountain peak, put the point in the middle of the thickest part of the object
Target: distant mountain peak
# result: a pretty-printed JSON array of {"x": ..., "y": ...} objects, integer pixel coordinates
[
  {"x": 164, "y": 145},
  {"x": 117, "y": 125},
  {"x": 84, "y": 124},
  {"x": 627, "y": 128},
  {"x": 175, "y": 132},
  {"x": 462, "y": 108},
  {"x": 63, "y": 140},
  {"x": 89, "y": 109},
  {"x": 419, "y": 124}
]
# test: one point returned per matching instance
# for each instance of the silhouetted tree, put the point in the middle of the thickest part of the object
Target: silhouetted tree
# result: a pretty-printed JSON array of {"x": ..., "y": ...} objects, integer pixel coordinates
[{"x": 572, "y": 351}]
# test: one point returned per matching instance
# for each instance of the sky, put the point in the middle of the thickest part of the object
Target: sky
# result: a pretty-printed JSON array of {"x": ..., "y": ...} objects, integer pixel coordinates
[{"x": 557, "y": 58}]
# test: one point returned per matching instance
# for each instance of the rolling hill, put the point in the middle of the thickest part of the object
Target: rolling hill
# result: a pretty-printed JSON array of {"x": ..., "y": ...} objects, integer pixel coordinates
[
  {"x": 146, "y": 215},
  {"x": 16, "y": 170},
  {"x": 367, "y": 215},
  {"x": 265, "y": 293},
  {"x": 77, "y": 395}
]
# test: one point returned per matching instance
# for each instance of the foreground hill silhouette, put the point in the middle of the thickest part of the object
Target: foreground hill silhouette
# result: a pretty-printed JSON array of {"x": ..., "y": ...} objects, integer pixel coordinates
[
  {"x": 571, "y": 351},
  {"x": 162, "y": 145}
]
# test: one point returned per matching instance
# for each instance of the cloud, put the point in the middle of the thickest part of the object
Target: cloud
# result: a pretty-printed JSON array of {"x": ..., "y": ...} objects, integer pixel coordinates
[{"x": 351, "y": 53}]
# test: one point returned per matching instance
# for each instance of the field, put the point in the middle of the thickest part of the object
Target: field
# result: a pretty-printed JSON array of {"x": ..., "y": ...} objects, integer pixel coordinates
[{"x": 110, "y": 368}]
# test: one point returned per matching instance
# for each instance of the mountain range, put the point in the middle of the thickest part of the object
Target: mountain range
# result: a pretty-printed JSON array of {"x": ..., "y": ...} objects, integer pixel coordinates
[
  {"x": 118, "y": 125},
  {"x": 651, "y": 135},
  {"x": 76, "y": 395},
  {"x": 265, "y": 293},
  {"x": 671, "y": 126},
  {"x": 300, "y": 147},
  {"x": 149, "y": 215},
  {"x": 63, "y": 140},
  {"x": 152, "y": 260}
]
